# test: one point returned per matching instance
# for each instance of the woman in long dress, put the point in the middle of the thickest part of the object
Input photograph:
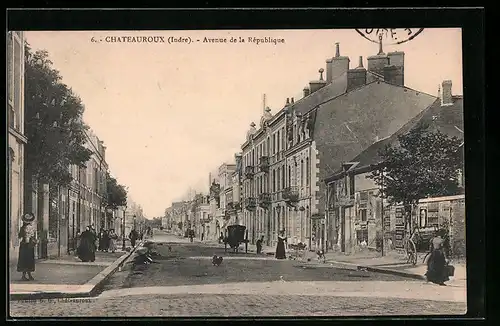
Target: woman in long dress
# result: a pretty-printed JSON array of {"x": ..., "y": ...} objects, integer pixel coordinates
[
  {"x": 112, "y": 240},
  {"x": 87, "y": 247},
  {"x": 101, "y": 240},
  {"x": 280, "y": 247},
  {"x": 436, "y": 264},
  {"x": 26, "y": 260}
]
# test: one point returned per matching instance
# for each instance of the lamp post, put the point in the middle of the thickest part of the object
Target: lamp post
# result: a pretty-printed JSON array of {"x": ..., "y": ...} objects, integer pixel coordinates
[{"x": 123, "y": 228}]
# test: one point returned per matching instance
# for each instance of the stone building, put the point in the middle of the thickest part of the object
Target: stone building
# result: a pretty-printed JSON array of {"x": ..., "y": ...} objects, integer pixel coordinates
[
  {"x": 357, "y": 212},
  {"x": 87, "y": 195},
  {"x": 17, "y": 139},
  {"x": 225, "y": 176},
  {"x": 286, "y": 159},
  {"x": 233, "y": 210}
]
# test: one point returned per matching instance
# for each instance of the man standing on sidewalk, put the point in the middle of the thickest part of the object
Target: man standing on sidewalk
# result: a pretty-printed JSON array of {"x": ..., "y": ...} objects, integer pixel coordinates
[
  {"x": 133, "y": 237},
  {"x": 259, "y": 245}
]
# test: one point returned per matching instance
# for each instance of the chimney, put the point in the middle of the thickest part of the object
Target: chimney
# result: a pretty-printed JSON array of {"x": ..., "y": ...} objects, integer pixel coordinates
[
  {"x": 446, "y": 98},
  {"x": 336, "y": 66},
  {"x": 317, "y": 84},
  {"x": 306, "y": 91},
  {"x": 376, "y": 63},
  {"x": 397, "y": 59},
  {"x": 393, "y": 75},
  {"x": 287, "y": 101},
  {"x": 292, "y": 101},
  {"x": 356, "y": 77}
]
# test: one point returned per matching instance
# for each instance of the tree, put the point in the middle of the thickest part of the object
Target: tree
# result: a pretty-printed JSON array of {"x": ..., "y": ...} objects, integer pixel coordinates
[
  {"x": 53, "y": 123},
  {"x": 116, "y": 193},
  {"x": 423, "y": 163}
]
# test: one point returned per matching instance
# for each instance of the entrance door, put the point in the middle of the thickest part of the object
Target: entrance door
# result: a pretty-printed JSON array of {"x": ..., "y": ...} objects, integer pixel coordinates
[{"x": 342, "y": 229}]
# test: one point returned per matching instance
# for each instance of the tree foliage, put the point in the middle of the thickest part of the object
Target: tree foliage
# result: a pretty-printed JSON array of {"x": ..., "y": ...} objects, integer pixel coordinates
[
  {"x": 424, "y": 163},
  {"x": 116, "y": 193},
  {"x": 53, "y": 122}
]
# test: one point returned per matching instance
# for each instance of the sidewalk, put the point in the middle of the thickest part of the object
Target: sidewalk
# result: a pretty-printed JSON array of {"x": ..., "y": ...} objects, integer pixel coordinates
[
  {"x": 66, "y": 276},
  {"x": 393, "y": 263}
]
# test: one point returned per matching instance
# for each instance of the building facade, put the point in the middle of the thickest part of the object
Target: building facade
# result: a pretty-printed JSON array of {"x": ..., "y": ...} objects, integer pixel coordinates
[
  {"x": 224, "y": 217},
  {"x": 84, "y": 202},
  {"x": 286, "y": 160},
  {"x": 359, "y": 214},
  {"x": 16, "y": 140}
]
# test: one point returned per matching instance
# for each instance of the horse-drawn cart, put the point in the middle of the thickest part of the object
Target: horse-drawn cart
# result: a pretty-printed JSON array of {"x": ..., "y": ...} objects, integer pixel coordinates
[{"x": 236, "y": 235}]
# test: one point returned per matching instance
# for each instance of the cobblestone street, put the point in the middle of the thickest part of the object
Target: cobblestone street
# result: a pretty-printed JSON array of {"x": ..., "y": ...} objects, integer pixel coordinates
[
  {"x": 234, "y": 305},
  {"x": 183, "y": 282}
]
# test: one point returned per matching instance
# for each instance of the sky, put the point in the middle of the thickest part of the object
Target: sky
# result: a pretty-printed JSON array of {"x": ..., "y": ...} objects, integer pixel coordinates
[{"x": 171, "y": 113}]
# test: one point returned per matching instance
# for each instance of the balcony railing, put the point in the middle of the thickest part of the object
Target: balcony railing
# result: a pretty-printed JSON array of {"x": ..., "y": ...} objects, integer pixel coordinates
[
  {"x": 265, "y": 200},
  {"x": 249, "y": 172},
  {"x": 250, "y": 203},
  {"x": 291, "y": 194},
  {"x": 264, "y": 164}
]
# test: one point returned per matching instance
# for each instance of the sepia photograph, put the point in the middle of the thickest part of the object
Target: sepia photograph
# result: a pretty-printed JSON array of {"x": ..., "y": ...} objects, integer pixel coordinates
[{"x": 236, "y": 173}]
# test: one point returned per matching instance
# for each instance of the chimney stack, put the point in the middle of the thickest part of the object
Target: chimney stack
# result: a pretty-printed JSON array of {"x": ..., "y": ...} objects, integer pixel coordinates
[
  {"x": 336, "y": 66},
  {"x": 446, "y": 99},
  {"x": 306, "y": 91},
  {"x": 393, "y": 75},
  {"x": 376, "y": 63},
  {"x": 292, "y": 101},
  {"x": 316, "y": 85},
  {"x": 287, "y": 101},
  {"x": 356, "y": 77}
]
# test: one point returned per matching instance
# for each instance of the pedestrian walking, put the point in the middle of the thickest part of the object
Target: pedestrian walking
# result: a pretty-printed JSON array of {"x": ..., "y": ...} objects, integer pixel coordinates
[
  {"x": 101, "y": 240},
  {"x": 221, "y": 237},
  {"x": 106, "y": 241},
  {"x": 280, "y": 247},
  {"x": 26, "y": 259},
  {"x": 436, "y": 264},
  {"x": 87, "y": 247},
  {"x": 202, "y": 236},
  {"x": 112, "y": 240},
  {"x": 259, "y": 245},
  {"x": 133, "y": 237}
]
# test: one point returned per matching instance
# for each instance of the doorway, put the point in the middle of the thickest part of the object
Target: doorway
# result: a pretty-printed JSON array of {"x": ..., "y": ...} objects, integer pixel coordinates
[{"x": 342, "y": 229}]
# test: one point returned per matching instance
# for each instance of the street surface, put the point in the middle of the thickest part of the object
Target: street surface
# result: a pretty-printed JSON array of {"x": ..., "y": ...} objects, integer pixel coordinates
[{"x": 183, "y": 282}]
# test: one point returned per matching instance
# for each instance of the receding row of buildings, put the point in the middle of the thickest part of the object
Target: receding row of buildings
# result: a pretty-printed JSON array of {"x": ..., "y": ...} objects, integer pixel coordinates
[
  {"x": 289, "y": 175},
  {"x": 59, "y": 217}
]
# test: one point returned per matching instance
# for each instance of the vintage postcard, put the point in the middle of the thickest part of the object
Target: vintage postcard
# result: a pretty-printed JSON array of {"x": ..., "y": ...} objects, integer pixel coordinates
[{"x": 230, "y": 173}]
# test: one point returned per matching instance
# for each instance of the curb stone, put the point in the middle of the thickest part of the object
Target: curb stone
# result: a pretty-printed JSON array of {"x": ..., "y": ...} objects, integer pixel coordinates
[
  {"x": 379, "y": 270},
  {"x": 86, "y": 290}
]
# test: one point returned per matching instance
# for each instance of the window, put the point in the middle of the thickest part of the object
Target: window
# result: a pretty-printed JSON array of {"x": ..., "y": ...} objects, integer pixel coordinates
[
  {"x": 433, "y": 214},
  {"x": 363, "y": 195},
  {"x": 362, "y": 214},
  {"x": 274, "y": 180},
  {"x": 295, "y": 172},
  {"x": 423, "y": 218},
  {"x": 308, "y": 172},
  {"x": 17, "y": 81},
  {"x": 274, "y": 144},
  {"x": 301, "y": 173},
  {"x": 283, "y": 141},
  {"x": 283, "y": 173},
  {"x": 278, "y": 179},
  {"x": 268, "y": 152},
  {"x": 278, "y": 142},
  {"x": 10, "y": 66},
  {"x": 289, "y": 176}
]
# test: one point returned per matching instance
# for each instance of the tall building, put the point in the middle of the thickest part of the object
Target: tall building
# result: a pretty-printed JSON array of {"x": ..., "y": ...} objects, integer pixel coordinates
[
  {"x": 338, "y": 117},
  {"x": 17, "y": 140},
  {"x": 87, "y": 194},
  {"x": 223, "y": 216}
]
